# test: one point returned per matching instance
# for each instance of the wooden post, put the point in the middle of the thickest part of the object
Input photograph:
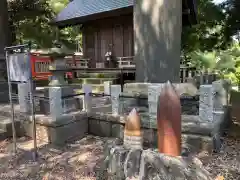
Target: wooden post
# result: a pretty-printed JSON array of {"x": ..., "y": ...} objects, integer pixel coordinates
[
  {"x": 169, "y": 121},
  {"x": 132, "y": 131}
]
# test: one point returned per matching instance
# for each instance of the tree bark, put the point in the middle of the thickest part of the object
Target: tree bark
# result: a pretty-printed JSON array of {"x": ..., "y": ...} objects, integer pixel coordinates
[
  {"x": 4, "y": 37},
  {"x": 4, "y": 27}
]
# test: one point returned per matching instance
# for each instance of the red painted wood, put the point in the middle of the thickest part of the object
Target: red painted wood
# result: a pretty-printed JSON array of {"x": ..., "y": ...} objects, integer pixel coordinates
[{"x": 35, "y": 58}]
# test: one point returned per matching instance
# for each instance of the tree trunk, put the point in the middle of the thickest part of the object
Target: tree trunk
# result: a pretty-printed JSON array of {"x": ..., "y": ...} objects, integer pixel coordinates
[
  {"x": 4, "y": 34},
  {"x": 4, "y": 26}
]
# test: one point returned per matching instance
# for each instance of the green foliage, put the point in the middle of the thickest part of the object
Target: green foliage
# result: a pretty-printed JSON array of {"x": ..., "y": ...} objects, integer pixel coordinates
[
  {"x": 232, "y": 20},
  {"x": 203, "y": 60},
  {"x": 225, "y": 62},
  {"x": 31, "y": 22},
  {"x": 207, "y": 34}
]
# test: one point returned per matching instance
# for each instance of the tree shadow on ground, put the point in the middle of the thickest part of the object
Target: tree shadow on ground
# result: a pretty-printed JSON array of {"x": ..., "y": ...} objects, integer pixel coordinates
[{"x": 76, "y": 160}]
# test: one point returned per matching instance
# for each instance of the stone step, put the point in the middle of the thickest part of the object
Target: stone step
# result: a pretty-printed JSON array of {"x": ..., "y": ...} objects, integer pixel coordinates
[
  {"x": 97, "y": 75},
  {"x": 92, "y": 80}
]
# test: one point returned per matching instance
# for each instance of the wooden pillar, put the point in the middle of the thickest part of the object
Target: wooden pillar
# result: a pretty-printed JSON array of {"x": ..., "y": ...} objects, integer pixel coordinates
[{"x": 157, "y": 38}]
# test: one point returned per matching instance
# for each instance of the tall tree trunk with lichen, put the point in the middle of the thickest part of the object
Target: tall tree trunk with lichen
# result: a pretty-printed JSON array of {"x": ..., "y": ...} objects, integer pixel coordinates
[{"x": 4, "y": 33}]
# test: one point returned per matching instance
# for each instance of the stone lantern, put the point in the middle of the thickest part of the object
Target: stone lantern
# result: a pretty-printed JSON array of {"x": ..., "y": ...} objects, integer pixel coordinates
[
  {"x": 58, "y": 87},
  {"x": 58, "y": 65}
]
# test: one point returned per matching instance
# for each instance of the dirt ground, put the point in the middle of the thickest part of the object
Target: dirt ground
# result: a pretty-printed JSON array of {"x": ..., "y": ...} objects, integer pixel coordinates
[
  {"x": 80, "y": 160},
  {"x": 227, "y": 162}
]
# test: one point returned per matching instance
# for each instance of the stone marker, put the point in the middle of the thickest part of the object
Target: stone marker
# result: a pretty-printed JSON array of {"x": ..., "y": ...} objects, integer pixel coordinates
[
  {"x": 206, "y": 103},
  {"x": 132, "y": 132},
  {"x": 87, "y": 100},
  {"x": 107, "y": 87},
  {"x": 115, "y": 93},
  {"x": 169, "y": 121}
]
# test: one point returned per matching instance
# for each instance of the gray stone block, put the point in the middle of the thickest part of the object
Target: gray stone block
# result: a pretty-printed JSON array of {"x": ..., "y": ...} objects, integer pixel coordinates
[
  {"x": 58, "y": 132},
  {"x": 63, "y": 134},
  {"x": 100, "y": 128},
  {"x": 197, "y": 143},
  {"x": 117, "y": 130},
  {"x": 6, "y": 126},
  {"x": 93, "y": 125}
]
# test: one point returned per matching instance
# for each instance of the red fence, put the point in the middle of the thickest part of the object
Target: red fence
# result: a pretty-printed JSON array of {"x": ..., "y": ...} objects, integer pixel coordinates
[{"x": 40, "y": 65}]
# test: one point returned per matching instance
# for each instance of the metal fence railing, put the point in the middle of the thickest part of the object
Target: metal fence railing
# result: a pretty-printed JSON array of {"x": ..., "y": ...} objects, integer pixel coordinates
[{"x": 99, "y": 103}]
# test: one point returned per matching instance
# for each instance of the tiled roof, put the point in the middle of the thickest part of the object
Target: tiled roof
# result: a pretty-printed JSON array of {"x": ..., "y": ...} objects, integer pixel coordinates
[
  {"x": 79, "y": 11},
  {"x": 83, "y": 8}
]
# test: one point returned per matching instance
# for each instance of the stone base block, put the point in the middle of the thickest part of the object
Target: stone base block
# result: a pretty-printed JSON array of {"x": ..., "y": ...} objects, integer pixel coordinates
[
  {"x": 123, "y": 163},
  {"x": 142, "y": 88},
  {"x": 196, "y": 135},
  {"x": 105, "y": 128},
  {"x": 6, "y": 127},
  {"x": 58, "y": 134}
]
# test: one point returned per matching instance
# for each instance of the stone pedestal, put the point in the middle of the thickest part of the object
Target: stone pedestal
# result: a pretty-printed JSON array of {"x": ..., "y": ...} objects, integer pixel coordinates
[{"x": 157, "y": 38}]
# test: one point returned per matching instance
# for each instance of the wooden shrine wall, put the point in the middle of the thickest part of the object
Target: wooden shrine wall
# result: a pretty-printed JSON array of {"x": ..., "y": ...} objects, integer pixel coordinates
[{"x": 98, "y": 35}]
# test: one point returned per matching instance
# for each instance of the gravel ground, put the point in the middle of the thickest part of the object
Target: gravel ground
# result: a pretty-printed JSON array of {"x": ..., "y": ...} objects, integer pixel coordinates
[{"x": 80, "y": 160}]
